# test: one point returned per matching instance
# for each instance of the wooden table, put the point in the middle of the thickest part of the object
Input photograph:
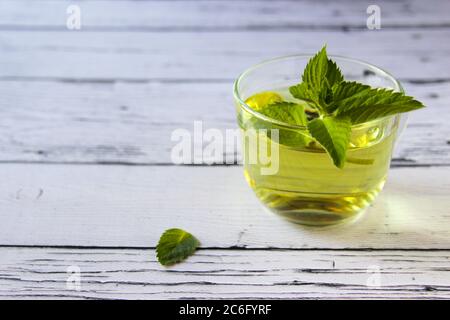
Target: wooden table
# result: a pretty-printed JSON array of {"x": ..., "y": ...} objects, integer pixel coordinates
[{"x": 87, "y": 182}]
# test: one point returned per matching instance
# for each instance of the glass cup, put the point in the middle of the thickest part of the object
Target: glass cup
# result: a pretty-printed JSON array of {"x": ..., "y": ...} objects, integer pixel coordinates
[{"x": 299, "y": 180}]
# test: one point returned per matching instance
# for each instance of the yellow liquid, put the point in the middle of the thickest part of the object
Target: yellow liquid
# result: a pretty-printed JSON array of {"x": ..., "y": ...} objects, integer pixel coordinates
[{"x": 309, "y": 189}]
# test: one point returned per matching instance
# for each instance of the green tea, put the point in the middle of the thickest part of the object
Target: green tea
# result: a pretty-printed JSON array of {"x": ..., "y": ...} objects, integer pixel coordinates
[{"x": 307, "y": 188}]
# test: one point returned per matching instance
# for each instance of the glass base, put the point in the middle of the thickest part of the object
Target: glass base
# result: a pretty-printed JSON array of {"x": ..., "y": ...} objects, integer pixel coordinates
[
  {"x": 318, "y": 209},
  {"x": 318, "y": 218}
]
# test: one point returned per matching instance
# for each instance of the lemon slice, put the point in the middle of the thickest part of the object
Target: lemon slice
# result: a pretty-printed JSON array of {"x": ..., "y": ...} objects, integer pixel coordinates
[
  {"x": 367, "y": 138},
  {"x": 263, "y": 99}
]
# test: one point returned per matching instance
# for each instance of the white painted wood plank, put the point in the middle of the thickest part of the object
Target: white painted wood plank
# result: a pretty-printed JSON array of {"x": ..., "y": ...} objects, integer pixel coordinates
[
  {"x": 210, "y": 55},
  {"x": 91, "y": 205},
  {"x": 133, "y": 122},
  {"x": 163, "y": 15},
  {"x": 135, "y": 274}
]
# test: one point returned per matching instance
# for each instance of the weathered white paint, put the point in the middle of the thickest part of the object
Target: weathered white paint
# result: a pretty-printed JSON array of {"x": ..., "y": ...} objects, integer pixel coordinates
[
  {"x": 199, "y": 15},
  {"x": 91, "y": 205},
  {"x": 133, "y": 122},
  {"x": 135, "y": 274},
  {"x": 134, "y": 56}
]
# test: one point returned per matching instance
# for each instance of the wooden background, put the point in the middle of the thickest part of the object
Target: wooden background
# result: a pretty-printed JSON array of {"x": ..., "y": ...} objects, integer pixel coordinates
[{"x": 86, "y": 177}]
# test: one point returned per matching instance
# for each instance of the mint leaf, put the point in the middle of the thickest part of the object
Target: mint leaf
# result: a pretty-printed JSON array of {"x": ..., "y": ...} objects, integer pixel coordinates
[
  {"x": 175, "y": 245},
  {"x": 343, "y": 91},
  {"x": 302, "y": 92},
  {"x": 314, "y": 86},
  {"x": 334, "y": 78},
  {"x": 334, "y": 74},
  {"x": 290, "y": 113},
  {"x": 319, "y": 76},
  {"x": 361, "y": 103},
  {"x": 334, "y": 135},
  {"x": 348, "y": 89},
  {"x": 337, "y": 104},
  {"x": 316, "y": 71}
]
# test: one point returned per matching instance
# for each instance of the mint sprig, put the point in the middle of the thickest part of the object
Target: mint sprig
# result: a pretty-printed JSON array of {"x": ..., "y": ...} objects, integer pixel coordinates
[
  {"x": 175, "y": 245},
  {"x": 341, "y": 104}
]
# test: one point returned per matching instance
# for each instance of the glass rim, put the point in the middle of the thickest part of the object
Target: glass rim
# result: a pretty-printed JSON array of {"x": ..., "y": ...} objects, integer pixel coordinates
[{"x": 398, "y": 87}]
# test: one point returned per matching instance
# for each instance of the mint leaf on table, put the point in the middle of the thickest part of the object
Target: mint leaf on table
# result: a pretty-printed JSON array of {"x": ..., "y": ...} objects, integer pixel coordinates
[
  {"x": 175, "y": 245},
  {"x": 334, "y": 135}
]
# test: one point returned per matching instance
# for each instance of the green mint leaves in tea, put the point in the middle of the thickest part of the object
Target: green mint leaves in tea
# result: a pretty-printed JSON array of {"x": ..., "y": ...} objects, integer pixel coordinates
[{"x": 328, "y": 106}]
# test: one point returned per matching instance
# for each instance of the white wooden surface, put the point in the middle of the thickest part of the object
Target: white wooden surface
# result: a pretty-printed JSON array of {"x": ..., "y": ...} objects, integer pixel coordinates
[
  {"x": 209, "y": 56},
  {"x": 91, "y": 205},
  {"x": 132, "y": 122},
  {"x": 135, "y": 274},
  {"x": 85, "y": 123},
  {"x": 217, "y": 14}
]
